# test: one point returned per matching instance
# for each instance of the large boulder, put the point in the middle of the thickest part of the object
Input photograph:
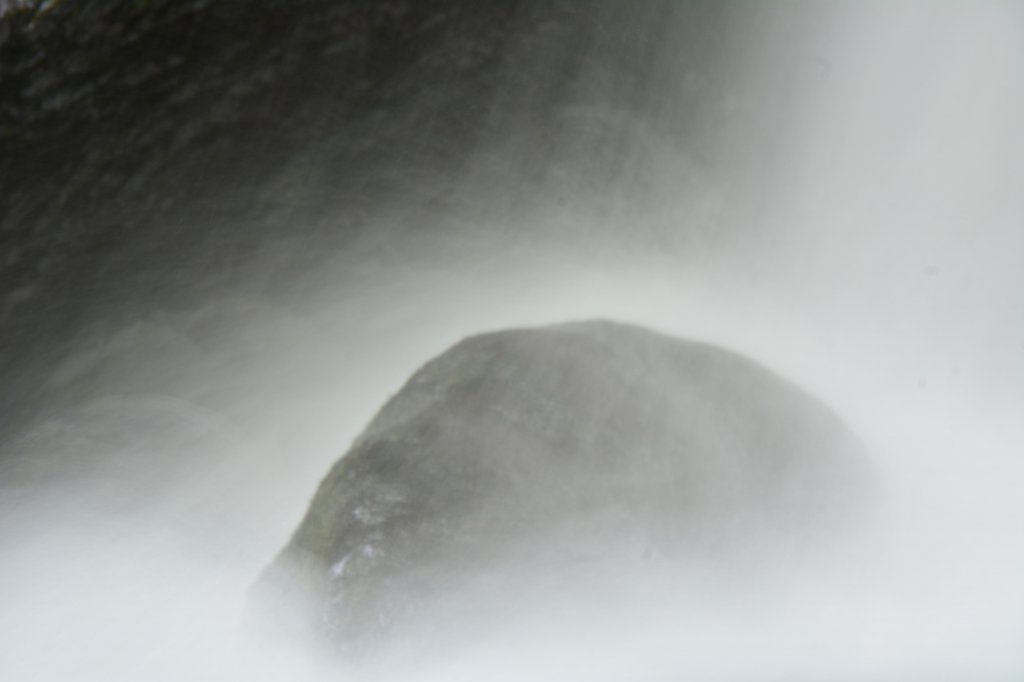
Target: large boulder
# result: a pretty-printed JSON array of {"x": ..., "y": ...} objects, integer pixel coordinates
[{"x": 552, "y": 457}]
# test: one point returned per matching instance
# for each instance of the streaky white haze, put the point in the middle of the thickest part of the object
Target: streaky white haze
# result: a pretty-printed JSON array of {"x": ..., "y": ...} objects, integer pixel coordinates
[{"x": 877, "y": 267}]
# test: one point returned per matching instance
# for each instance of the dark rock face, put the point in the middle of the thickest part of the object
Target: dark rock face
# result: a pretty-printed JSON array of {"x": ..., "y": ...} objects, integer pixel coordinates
[
  {"x": 160, "y": 153},
  {"x": 517, "y": 454}
]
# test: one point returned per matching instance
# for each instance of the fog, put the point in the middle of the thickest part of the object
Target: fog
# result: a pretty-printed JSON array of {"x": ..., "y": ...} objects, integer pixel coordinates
[{"x": 844, "y": 206}]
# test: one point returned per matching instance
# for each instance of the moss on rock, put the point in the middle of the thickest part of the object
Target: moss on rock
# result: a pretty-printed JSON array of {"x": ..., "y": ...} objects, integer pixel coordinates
[{"x": 571, "y": 445}]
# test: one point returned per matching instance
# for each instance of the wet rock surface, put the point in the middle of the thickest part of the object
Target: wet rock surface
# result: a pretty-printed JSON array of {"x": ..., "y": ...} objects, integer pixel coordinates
[
  {"x": 158, "y": 154},
  {"x": 533, "y": 460}
]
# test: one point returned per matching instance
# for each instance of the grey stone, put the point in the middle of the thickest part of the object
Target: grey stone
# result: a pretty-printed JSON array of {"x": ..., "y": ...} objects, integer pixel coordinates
[{"x": 558, "y": 456}]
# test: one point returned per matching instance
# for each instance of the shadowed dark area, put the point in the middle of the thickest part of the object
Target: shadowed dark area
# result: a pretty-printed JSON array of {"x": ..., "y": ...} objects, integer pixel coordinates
[{"x": 159, "y": 154}]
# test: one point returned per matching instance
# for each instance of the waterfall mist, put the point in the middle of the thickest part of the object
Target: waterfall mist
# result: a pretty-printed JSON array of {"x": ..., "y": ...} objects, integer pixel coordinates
[{"x": 833, "y": 189}]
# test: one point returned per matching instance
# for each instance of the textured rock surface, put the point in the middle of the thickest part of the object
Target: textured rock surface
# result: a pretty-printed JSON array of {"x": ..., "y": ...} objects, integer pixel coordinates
[
  {"x": 158, "y": 154},
  {"x": 567, "y": 447}
]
